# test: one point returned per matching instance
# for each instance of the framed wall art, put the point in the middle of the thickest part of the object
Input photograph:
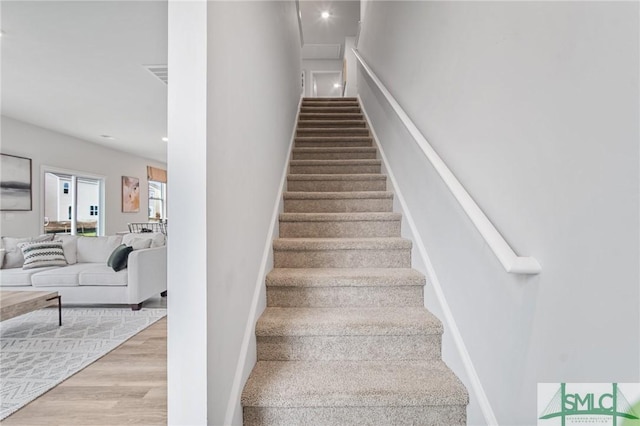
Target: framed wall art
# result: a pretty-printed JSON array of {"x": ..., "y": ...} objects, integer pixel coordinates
[
  {"x": 130, "y": 194},
  {"x": 15, "y": 183}
]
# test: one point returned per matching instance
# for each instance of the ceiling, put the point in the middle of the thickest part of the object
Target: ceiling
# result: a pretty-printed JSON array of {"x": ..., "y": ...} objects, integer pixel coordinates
[
  {"x": 324, "y": 38},
  {"x": 78, "y": 67}
]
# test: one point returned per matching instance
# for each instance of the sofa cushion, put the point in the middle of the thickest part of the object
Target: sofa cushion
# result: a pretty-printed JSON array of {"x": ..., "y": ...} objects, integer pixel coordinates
[
  {"x": 13, "y": 257},
  {"x": 18, "y": 277},
  {"x": 119, "y": 258},
  {"x": 69, "y": 247},
  {"x": 42, "y": 254},
  {"x": 103, "y": 275},
  {"x": 156, "y": 239},
  {"x": 67, "y": 276},
  {"x": 96, "y": 249}
]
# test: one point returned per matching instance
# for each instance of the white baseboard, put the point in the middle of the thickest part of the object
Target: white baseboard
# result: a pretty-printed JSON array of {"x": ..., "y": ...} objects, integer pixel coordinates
[
  {"x": 249, "y": 333},
  {"x": 450, "y": 323}
]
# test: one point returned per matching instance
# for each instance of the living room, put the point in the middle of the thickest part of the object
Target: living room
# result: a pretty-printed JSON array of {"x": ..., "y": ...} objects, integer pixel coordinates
[{"x": 84, "y": 118}]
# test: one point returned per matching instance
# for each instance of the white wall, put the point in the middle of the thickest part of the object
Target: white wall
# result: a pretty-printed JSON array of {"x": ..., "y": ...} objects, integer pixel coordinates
[
  {"x": 309, "y": 65},
  {"x": 187, "y": 269},
  {"x": 233, "y": 145},
  {"x": 46, "y": 147},
  {"x": 352, "y": 67},
  {"x": 534, "y": 107}
]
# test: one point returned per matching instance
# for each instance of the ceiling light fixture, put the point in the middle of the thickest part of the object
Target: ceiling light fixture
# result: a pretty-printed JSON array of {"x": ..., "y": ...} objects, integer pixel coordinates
[
  {"x": 337, "y": 85},
  {"x": 325, "y": 14},
  {"x": 165, "y": 139}
]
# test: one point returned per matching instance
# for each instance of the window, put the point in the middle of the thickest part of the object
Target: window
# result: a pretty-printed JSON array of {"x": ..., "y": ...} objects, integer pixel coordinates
[
  {"x": 157, "y": 200},
  {"x": 72, "y": 203}
]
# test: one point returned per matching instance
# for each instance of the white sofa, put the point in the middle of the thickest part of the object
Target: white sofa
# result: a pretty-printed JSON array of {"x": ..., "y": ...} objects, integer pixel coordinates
[{"x": 86, "y": 279}]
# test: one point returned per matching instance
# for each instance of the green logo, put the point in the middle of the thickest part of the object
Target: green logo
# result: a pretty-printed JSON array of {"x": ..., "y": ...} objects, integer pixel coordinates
[{"x": 589, "y": 406}]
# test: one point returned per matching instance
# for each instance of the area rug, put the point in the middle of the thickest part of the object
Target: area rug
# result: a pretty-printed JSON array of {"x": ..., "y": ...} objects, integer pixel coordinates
[{"x": 36, "y": 354}]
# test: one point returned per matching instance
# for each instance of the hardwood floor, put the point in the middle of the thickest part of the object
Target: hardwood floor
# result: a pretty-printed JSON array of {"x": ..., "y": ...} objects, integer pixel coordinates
[{"x": 126, "y": 386}]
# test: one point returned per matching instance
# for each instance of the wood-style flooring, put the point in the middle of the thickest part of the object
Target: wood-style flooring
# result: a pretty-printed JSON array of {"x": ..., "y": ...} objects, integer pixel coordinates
[{"x": 126, "y": 386}]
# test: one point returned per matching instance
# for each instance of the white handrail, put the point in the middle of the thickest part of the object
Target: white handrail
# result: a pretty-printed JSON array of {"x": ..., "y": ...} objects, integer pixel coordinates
[{"x": 510, "y": 260}]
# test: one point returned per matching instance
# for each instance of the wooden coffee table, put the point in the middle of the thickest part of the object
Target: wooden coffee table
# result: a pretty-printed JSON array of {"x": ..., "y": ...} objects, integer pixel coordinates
[{"x": 14, "y": 303}]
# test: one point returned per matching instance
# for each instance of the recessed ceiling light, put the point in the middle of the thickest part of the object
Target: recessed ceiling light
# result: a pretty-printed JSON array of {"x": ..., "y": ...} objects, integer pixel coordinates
[
  {"x": 107, "y": 137},
  {"x": 337, "y": 85},
  {"x": 325, "y": 14},
  {"x": 165, "y": 139}
]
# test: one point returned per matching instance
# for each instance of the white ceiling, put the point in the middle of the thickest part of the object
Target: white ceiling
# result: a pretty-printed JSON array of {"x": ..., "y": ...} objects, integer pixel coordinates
[
  {"x": 343, "y": 22},
  {"x": 77, "y": 67}
]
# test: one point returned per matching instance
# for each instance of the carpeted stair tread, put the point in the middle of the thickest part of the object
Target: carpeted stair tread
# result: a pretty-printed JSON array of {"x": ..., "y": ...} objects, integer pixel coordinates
[
  {"x": 319, "y": 108},
  {"x": 352, "y": 384},
  {"x": 305, "y": 116},
  {"x": 333, "y": 141},
  {"x": 344, "y": 277},
  {"x": 331, "y": 124},
  {"x": 334, "y": 153},
  {"x": 350, "y": 162},
  {"x": 335, "y": 166},
  {"x": 342, "y": 217},
  {"x": 317, "y": 244},
  {"x": 342, "y": 321},
  {"x": 321, "y": 131},
  {"x": 337, "y": 176},
  {"x": 306, "y": 195}
]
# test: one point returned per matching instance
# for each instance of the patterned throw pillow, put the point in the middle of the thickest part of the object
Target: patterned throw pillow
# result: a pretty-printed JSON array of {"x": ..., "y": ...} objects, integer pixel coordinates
[{"x": 41, "y": 254}]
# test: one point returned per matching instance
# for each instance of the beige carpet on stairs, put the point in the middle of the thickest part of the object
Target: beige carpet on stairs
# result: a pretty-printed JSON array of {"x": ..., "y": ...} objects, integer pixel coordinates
[{"x": 345, "y": 338}]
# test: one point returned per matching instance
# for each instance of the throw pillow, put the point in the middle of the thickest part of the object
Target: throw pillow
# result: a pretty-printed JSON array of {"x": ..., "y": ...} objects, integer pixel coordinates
[
  {"x": 69, "y": 246},
  {"x": 13, "y": 257},
  {"x": 140, "y": 243},
  {"x": 41, "y": 254},
  {"x": 120, "y": 257}
]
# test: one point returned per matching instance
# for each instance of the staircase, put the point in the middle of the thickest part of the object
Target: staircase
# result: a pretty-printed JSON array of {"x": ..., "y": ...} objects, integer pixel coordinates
[{"x": 345, "y": 338}]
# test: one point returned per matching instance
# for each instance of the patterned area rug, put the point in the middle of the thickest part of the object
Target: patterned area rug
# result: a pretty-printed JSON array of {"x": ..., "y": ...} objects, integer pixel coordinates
[{"x": 36, "y": 354}]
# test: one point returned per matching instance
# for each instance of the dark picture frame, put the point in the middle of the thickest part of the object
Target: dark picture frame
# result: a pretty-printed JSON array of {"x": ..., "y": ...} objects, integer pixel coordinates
[{"x": 15, "y": 183}]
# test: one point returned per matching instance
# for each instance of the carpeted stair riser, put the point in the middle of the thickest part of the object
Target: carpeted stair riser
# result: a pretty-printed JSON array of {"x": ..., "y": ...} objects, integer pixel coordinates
[
  {"x": 345, "y": 153},
  {"x": 334, "y": 166},
  {"x": 326, "y": 297},
  {"x": 336, "y": 183},
  {"x": 361, "y": 416},
  {"x": 338, "y": 202},
  {"x": 333, "y": 103},
  {"x": 304, "y": 117},
  {"x": 325, "y": 288},
  {"x": 348, "y": 334},
  {"x": 333, "y": 142},
  {"x": 348, "y": 348},
  {"x": 334, "y": 124},
  {"x": 332, "y": 131},
  {"x": 330, "y": 109},
  {"x": 342, "y": 253},
  {"x": 354, "y": 392},
  {"x": 334, "y": 225}
]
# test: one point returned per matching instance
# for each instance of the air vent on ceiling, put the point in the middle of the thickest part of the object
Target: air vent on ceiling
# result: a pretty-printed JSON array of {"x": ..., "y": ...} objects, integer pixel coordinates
[{"x": 160, "y": 71}]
